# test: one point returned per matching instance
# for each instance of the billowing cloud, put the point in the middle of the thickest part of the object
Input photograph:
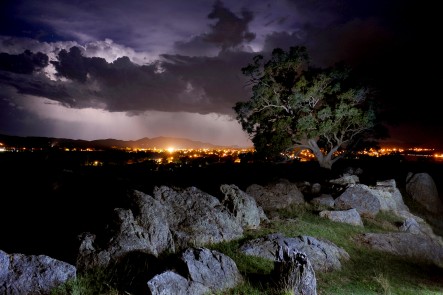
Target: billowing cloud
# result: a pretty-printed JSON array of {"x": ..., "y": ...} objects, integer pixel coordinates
[
  {"x": 177, "y": 83},
  {"x": 24, "y": 63},
  {"x": 229, "y": 31}
]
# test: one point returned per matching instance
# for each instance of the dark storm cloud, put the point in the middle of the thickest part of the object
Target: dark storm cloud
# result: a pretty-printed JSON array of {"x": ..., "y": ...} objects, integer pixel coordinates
[
  {"x": 178, "y": 83},
  {"x": 228, "y": 32},
  {"x": 353, "y": 42},
  {"x": 24, "y": 63},
  {"x": 150, "y": 26},
  {"x": 218, "y": 79}
]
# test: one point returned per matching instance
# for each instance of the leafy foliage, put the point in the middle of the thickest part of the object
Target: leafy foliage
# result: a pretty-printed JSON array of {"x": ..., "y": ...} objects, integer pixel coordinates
[{"x": 294, "y": 105}]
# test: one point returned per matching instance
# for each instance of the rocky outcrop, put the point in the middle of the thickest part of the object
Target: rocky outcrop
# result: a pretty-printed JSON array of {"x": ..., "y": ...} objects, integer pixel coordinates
[
  {"x": 276, "y": 196},
  {"x": 127, "y": 236},
  {"x": 171, "y": 283},
  {"x": 197, "y": 218},
  {"x": 207, "y": 271},
  {"x": 369, "y": 200},
  {"x": 324, "y": 255},
  {"x": 242, "y": 206},
  {"x": 361, "y": 198},
  {"x": 389, "y": 196},
  {"x": 324, "y": 201},
  {"x": 182, "y": 221},
  {"x": 350, "y": 216},
  {"x": 293, "y": 273},
  {"x": 32, "y": 274},
  {"x": 345, "y": 180},
  {"x": 169, "y": 221},
  {"x": 211, "y": 268},
  {"x": 410, "y": 245},
  {"x": 421, "y": 187},
  {"x": 151, "y": 215}
]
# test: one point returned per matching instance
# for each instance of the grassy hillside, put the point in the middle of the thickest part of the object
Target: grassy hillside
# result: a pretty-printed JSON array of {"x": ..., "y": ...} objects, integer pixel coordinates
[{"x": 367, "y": 272}]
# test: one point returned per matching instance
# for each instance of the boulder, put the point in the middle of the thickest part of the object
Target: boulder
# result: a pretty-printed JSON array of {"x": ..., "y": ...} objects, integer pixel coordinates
[
  {"x": 171, "y": 283},
  {"x": 276, "y": 196},
  {"x": 421, "y": 187},
  {"x": 242, "y": 206},
  {"x": 197, "y": 218},
  {"x": 32, "y": 274},
  {"x": 211, "y": 268},
  {"x": 151, "y": 215},
  {"x": 345, "y": 180},
  {"x": 350, "y": 216},
  {"x": 360, "y": 197},
  {"x": 126, "y": 236},
  {"x": 324, "y": 201},
  {"x": 389, "y": 196},
  {"x": 293, "y": 273},
  {"x": 421, "y": 248},
  {"x": 410, "y": 225},
  {"x": 324, "y": 255}
]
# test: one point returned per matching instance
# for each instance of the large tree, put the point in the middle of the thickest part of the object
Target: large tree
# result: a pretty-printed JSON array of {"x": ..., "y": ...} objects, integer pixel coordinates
[{"x": 296, "y": 106}]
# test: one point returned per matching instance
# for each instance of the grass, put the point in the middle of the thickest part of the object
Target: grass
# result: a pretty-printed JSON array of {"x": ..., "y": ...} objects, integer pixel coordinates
[{"x": 367, "y": 272}]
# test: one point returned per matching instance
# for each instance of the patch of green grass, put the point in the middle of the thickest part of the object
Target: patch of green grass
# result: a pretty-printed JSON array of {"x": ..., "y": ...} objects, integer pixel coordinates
[
  {"x": 94, "y": 282},
  {"x": 246, "y": 264},
  {"x": 367, "y": 272}
]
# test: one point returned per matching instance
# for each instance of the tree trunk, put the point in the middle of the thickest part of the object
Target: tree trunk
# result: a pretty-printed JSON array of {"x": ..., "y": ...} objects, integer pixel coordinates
[{"x": 325, "y": 163}]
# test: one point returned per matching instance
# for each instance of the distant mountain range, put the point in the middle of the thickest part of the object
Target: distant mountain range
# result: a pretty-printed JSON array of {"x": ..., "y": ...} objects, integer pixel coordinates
[{"x": 145, "y": 143}]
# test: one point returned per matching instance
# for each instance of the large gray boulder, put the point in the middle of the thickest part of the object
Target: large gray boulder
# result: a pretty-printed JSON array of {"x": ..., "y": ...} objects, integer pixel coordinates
[
  {"x": 389, "y": 196},
  {"x": 421, "y": 187},
  {"x": 211, "y": 268},
  {"x": 345, "y": 180},
  {"x": 410, "y": 225},
  {"x": 197, "y": 218},
  {"x": 323, "y": 201},
  {"x": 360, "y": 197},
  {"x": 32, "y": 274},
  {"x": 418, "y": 247},
  {"x": 350, "y": 216},
  {"x": 293, "y": 273},
  {"x": 324, "y": 255},
  {"x": 369, "y": 200},
  {"x": 205, "y": 272},
  {"x": 171, "y": 283},
  {"x": 126, "y": 237},
  {"x": 169, "y": 221},
  {"x": 276, "y": 196},
  {"x": 151, "y": 215},
  {"x": 242, "y": 206}
]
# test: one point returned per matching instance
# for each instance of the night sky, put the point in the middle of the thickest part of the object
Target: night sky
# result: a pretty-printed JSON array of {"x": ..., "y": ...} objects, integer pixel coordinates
[{"x": 132, "y": 69}]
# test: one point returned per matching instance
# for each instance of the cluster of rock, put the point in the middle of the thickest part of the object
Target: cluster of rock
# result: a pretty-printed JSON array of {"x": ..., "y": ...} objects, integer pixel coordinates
[
  {"x": 181, "y": 222},
  {"x": 414, "y": 239}
]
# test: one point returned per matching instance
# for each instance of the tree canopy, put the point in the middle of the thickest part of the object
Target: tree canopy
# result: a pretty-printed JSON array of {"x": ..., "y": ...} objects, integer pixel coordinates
[{"x": 297, "y": 106}]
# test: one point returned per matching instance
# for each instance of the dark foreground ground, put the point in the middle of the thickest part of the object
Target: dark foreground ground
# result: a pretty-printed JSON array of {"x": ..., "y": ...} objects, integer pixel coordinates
[{"x": 47, "y": 201}]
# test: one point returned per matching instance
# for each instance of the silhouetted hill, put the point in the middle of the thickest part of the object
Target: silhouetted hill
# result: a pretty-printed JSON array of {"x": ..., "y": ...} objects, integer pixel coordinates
[{"x": 156, "y": 142}]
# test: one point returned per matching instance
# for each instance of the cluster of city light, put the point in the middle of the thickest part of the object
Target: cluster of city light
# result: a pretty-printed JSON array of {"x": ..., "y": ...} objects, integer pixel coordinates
[
  {"x": 307, "y": 155},
  {"x": 303, "y": 155},
  {"x": 179, "y": 153}
]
